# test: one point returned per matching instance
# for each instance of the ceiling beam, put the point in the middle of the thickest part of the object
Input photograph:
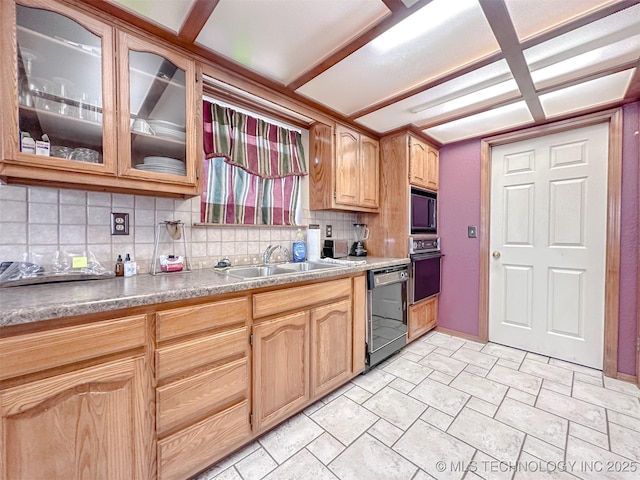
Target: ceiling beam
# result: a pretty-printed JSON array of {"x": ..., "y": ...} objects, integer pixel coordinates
[
  {"x": 196, "y": 19},
  {"x": 500, "y": 22},
  {"x": 360, "y": 41}
]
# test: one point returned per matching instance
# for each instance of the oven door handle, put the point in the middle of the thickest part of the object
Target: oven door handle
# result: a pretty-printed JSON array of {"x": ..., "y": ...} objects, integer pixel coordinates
[{"x": 416, "y": 257}]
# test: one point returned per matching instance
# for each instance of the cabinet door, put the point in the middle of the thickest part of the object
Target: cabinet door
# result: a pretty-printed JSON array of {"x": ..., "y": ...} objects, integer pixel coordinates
[
  {"x": 63, "y": 67},
  {"x": 432, "y": 169},
  {"x": 423, "y": 317},
  {"x": 417, "y": 163},
  {"x": 159, "y": 113},
  {"x": 347, "y": 171},
  {"x": 369, "y": 172},
  {"x": 280, "y": 368},
  {"x": 331, "y": 347},
  {"x": 85, "y": 424}
]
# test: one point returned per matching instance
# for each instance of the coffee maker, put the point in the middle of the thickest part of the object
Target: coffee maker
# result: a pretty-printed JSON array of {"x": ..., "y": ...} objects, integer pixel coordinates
[{"x": 362, "y": 233}]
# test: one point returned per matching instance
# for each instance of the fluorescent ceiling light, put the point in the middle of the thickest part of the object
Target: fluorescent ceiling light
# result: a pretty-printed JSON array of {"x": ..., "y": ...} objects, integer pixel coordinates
[{"x": 429, "y": 17}]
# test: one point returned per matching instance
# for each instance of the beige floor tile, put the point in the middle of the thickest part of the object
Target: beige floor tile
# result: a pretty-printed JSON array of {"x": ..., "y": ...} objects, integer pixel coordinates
[
  {"x": 581, "y": 377},
  {"x": 548, "y": 372},
  {"x": 421, "y": 475},
  {"x": 478, "y": 359},
  {"x": 369, "y": 458},
  {"x": 531, "y": 468},
  {"x": 581, "y": 412},
  {"x": 595, "y": 463},
  {"x": 438, "y": 419},
  {"x": 229, "y": 474},
  {"x": 481, "y": 372},
  {"x": 444, "y": 398},
  {"x": 395, "y": 407},
  {"x": 536, "y": 357},
  {"x": 444, "y": 351},
  {"x": 336, "y": 393},
  {"x": 542, "y": 450},
  {"x": 420, "y": 348},
  {"x": 522, "y": 381},
  {"x": 480, "y": 387},
  {"x": 236, "y": 457},
  {"x": 625, "y": 441},
  {"x": 521, "y": 396},
  {"x": 443, "y": 364},
  {"x": 344, "y": 419},
  {"x": 486, "y": 408},
  {"x": 256, "y": 465},
  {"x": 506, "y": 353},
  {"x": 589, "y": 435},
  {"x": 620, "y": 402},
  {"x": 386, "y": 432},
  {"x": 302, "y": 466},
  {"x": 545, "y": 426},
  {"x": 446, "y": 341},
  {"x": 412, "y": 356},
  {"x": 488, "y": 468},
  {"x": 624, "y": 420},
  {"x": 325, "y": 448},
  {"x": 508, "y": 364},
  {"x": 407, "y": 370},
  {"x": 290, "y": 437},
  {"x": 556, "y": 387},
  {"x": 477, "y": 346},
  {"x": 592, "y": 372},
  {"x": 374, "y": 381},
  {"x": 443, "y": 448},
  {"x": 494, "y": 438}
]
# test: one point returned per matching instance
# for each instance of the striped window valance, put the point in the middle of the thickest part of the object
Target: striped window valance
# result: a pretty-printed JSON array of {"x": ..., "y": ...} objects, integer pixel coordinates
[{"x": 252, "y": 169}]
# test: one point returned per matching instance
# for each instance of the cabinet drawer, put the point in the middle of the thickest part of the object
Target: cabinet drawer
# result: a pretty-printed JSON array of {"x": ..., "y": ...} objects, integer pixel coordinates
[
  {"x": 39, "y": 351},
  {"x": 190, "y": 398},
  {"x": 200, "y": 351},
  {"x": 182, "y": 321},
  {"x": 270, "y": 303},
  {"x": 192, "y": 449}
]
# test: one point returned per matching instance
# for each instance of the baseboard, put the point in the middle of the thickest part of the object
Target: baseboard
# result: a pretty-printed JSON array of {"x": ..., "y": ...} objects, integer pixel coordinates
[
  {"x": 455, "y": 333},
  {"x": 625, "y": 377}
]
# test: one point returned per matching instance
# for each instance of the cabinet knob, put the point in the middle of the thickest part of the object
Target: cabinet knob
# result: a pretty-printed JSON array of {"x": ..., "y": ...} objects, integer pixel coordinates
[{"x": 496, "y": 254}]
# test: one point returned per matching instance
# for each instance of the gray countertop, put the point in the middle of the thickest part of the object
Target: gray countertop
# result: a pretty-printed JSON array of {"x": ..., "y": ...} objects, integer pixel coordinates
[{"x": 28, "y": 304}]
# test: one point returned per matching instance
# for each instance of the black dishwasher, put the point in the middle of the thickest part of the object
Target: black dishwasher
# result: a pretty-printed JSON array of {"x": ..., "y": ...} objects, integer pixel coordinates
[{"x": 386, "y": 312}]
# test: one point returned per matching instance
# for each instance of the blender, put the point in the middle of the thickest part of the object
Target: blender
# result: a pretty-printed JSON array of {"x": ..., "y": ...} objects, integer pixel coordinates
[{"x": 362, "y": 233}]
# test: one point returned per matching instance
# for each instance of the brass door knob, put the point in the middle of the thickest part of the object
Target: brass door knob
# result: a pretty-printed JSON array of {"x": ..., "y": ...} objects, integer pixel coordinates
[{"x": 496, "y": 254}]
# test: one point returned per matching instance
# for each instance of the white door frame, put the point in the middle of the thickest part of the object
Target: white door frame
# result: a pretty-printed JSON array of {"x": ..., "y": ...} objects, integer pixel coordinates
[{"x": 612, "y": 280}]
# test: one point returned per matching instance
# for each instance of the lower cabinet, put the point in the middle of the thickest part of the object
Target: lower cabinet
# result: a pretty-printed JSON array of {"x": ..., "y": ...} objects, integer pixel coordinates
[
  {"x": 423, "y": 317},
  {"x": 84, "y": 424}
]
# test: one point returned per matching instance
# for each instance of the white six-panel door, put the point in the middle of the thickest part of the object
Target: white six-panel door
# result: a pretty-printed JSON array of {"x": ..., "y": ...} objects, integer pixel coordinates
[{"x": 548, "y": 240}]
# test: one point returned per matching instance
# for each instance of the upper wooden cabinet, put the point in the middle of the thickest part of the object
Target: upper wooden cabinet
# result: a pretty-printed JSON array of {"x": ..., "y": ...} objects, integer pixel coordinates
[
  {"x": 61, "y": 80},
  {"x": 423, "y": 164},
  {"x": 344, "y": 170}
]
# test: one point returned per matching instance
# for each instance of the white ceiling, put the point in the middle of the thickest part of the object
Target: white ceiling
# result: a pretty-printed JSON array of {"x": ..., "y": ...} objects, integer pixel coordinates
[{"x": 454, "y": 70}]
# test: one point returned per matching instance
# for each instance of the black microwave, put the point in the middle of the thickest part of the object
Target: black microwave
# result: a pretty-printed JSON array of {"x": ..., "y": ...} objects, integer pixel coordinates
[{"x": 424, "y": 212}]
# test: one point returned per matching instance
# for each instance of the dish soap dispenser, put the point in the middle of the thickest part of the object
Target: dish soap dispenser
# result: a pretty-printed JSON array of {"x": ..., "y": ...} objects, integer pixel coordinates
[{"x": 299, "y": 248}]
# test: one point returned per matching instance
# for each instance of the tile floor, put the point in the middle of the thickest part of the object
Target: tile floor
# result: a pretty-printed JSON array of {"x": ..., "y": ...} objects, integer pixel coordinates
[{"x": 447, "y": 408}]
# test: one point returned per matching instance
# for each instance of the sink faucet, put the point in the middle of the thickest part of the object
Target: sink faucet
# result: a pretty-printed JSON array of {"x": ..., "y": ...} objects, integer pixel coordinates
[{"x": 266, "y": 256}]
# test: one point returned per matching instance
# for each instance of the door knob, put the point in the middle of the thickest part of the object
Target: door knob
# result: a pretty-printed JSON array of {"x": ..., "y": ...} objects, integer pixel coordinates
[{"x": 496, "y": 254}]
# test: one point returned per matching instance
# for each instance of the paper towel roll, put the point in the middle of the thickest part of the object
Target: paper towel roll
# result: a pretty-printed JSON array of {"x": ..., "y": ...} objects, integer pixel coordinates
[{"x": 313, "y": 242}]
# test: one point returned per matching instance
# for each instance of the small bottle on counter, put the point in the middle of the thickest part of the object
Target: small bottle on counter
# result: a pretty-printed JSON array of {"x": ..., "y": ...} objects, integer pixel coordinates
[
  {"x": 130, "y": 266},
  {"x": 119, "y": 267},
  {"x": 299, "y": 248}
]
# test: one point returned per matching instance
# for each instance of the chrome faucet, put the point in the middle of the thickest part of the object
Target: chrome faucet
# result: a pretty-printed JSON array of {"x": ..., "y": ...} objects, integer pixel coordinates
[{"x": 266, "y": 256}]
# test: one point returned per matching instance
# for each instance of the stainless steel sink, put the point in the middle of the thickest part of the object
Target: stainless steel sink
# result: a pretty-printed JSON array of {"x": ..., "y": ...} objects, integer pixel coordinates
[{"x": 257, "y": 271}]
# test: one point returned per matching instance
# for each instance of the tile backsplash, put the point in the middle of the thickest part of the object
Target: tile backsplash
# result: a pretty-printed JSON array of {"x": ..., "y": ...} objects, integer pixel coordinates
[{"x": 44, "y": 220}]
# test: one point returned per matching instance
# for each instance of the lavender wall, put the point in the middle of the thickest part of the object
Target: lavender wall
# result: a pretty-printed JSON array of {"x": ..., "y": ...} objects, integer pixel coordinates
[{"x": 459, "y": 196}]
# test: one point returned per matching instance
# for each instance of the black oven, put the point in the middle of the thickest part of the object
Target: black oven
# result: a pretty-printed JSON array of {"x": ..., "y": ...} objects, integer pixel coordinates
[
  {"x": 426, "y": 261},
  {"x": 424, "y": 212}
]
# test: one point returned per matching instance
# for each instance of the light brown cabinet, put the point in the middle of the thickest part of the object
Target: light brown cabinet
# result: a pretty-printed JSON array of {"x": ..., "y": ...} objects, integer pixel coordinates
[
  {"x": 423, "y": 316},
  {"x": 203, "y": 382},
  {"x": 344, "y": 170},
  {"x": 62, "y": 80},
  {"x": 423, "y": 164},
  {"x": 97, "y": 415}
]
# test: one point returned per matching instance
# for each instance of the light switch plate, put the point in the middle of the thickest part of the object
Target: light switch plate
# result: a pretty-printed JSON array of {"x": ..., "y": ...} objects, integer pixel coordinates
[
  {"x": 472, "y": 231},
  {"x": 119, "y": 223}
]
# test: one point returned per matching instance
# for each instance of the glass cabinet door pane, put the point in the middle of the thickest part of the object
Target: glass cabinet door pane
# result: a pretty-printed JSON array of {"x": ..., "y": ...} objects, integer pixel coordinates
[
  {"x": 158, "y": 114},
  {"x": 60, "y": 84}
]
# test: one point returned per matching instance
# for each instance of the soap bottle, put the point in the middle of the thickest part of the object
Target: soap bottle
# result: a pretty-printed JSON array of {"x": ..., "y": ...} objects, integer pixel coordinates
[
  {"x": 299, "y": 248},
  {"x": 129, "y": 266},
  {"x": 119, "y": 267}
]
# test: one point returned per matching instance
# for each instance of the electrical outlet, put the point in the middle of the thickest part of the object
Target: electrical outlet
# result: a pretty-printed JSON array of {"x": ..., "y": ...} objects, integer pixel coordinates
[
  {"x": 328, "y": 231},
  {"x": 472, "y": 231},
  {"x": 119, "y": 223}
]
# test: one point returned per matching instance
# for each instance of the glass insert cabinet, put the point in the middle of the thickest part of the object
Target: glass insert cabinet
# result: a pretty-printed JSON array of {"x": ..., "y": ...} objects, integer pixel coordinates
[{"x": 94, "y": 105}]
